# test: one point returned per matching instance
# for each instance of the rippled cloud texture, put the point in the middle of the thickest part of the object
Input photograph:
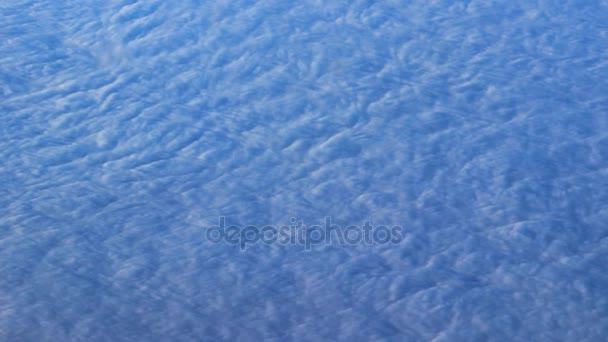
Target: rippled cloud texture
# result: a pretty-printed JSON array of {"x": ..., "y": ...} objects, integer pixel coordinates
[{"x": 129, "y": 127}]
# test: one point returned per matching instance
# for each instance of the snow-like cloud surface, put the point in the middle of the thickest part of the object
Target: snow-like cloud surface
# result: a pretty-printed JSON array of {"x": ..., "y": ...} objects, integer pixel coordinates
[{"x": 129, "y": 127}]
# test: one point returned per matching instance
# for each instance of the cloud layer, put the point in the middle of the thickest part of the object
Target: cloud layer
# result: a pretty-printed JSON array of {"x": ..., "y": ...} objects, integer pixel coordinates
[{"x": 129, "y": 127}]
